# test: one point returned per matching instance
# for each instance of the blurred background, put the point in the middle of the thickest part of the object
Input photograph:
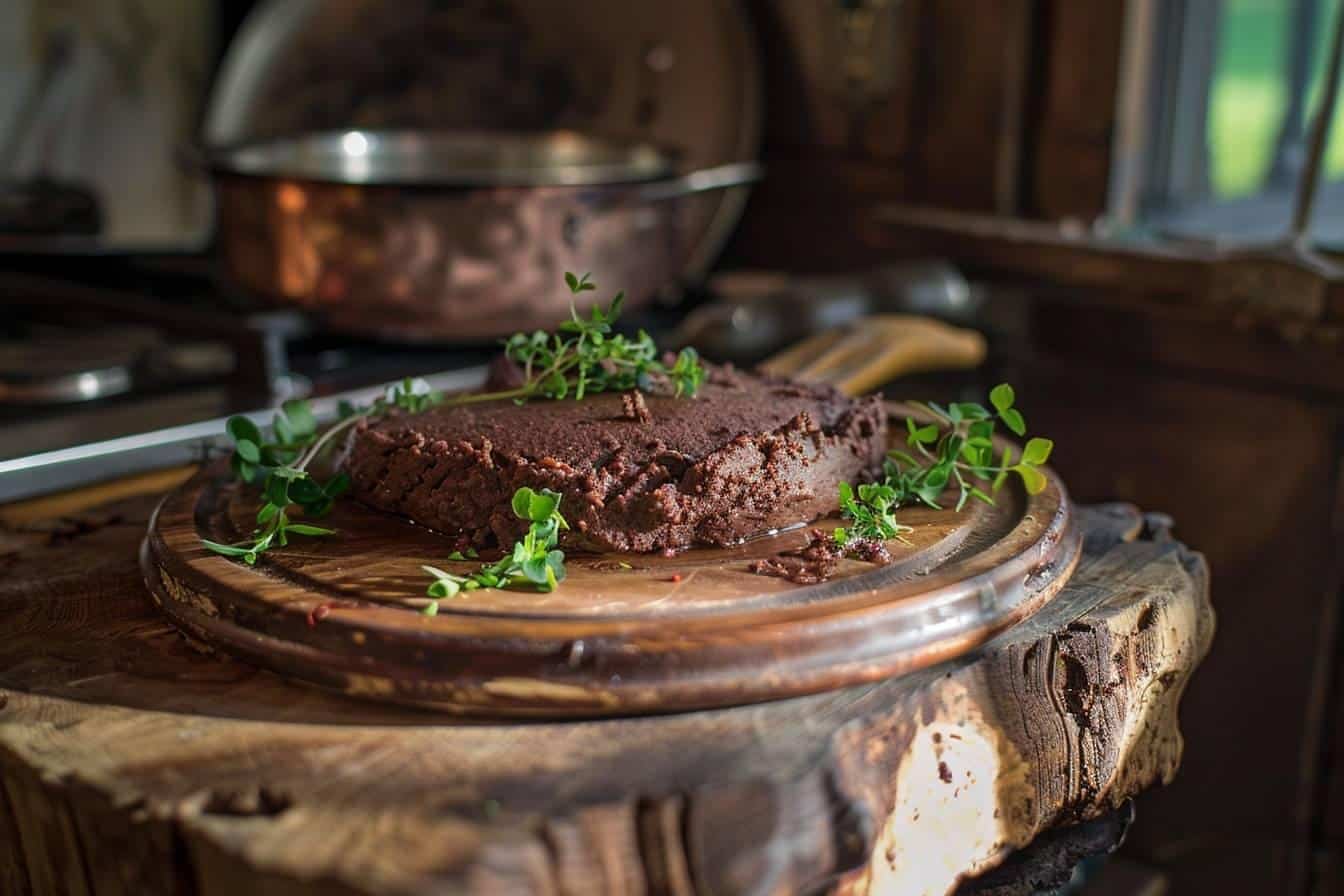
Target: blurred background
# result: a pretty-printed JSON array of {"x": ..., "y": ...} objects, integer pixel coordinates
[{"x": 207, "y": 207}]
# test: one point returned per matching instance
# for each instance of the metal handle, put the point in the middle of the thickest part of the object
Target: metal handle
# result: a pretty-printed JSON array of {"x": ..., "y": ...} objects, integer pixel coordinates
[{"x": 720, "y": 177}]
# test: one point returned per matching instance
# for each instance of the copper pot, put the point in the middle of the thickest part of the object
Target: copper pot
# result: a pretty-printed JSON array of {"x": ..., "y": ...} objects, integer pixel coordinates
[{"x": 450, "y": 236}]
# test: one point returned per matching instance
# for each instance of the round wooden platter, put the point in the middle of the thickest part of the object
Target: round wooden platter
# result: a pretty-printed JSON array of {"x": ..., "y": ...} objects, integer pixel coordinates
[{"x": 623, "y": 633}]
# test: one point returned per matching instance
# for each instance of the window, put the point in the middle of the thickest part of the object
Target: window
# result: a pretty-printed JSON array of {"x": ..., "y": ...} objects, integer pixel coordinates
[{"x": 1230, "y": 89}]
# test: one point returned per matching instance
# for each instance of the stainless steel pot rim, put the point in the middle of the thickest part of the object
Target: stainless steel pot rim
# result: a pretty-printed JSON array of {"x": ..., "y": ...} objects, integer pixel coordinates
[{"x": 444, "y": 159}]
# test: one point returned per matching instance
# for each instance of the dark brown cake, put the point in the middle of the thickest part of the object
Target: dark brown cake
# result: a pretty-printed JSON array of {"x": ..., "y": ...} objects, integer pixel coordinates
[{"x": 637, "y": 472}]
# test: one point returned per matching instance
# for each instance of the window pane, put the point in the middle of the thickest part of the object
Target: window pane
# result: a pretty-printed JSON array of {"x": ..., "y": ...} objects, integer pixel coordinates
[
  {"x": 1233, "y": 85},
  {"x": 1248, "y": 96}
]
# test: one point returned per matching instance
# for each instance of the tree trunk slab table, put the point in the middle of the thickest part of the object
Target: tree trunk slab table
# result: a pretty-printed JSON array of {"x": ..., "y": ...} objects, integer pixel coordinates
[{"x": 131, "y": 762}]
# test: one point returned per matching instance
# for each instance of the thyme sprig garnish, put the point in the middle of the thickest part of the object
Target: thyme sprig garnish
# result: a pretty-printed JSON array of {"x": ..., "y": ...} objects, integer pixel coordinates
[
  {"x": 956, "y": 448},
  {"x": 280, "y": 461},
  {"x": 534, "y": 561},
  {"x": 873, "y": 511},
  {"x": 585, "y": 356}
]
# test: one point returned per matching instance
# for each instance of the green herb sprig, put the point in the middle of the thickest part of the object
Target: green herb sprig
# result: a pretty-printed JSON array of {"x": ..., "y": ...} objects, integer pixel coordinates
[
  {"x": 585, "y": 356},
  {"x": 280, "y": 462},
  {"x": 873, "y": 510},
  {"x": 534, "y": 561},
  {"x": 957, "y": 448}
]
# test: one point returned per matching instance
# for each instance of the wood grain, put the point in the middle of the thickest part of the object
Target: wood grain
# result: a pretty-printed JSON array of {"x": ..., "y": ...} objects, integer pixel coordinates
[
  {"x": 131, "y": 762},
  {"x": 624, "y": 633}
]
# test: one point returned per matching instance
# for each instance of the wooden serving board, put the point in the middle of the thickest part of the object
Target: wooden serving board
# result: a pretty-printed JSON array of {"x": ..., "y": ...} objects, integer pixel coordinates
[{"x": 623, "y": 633}]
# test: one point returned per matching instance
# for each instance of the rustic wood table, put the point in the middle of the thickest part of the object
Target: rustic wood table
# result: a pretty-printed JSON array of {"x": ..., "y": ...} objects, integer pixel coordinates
[{"x": 133, "y": 763}]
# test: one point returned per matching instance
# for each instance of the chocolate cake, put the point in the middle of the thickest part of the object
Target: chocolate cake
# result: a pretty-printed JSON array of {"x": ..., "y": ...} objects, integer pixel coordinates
[{"x": 637, "y": 472}]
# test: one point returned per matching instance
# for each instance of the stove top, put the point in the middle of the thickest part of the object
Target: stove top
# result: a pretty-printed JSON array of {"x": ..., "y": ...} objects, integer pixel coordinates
[{"x": 82, "y": 361}]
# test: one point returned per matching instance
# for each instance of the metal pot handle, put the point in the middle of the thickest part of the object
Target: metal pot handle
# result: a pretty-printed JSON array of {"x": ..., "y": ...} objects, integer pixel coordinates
[{"x": 720, "y": 177}]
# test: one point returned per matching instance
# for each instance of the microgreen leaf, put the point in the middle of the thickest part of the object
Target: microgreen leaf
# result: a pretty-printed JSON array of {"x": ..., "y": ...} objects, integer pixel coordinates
[
  {"x": 1012, "y": 418},
  {"x": 957, "y": 449},
  {"x": 541, "y": 505},
  {"x": 924, "y": 435},
  {"x": 242, "y": 469},
  {"x": 283, "y": 430},
  {"x": 306, "y": 491},
  {"x": 1032, "y": 478},
  {"x": 241, "y": 429},
  {"x": 585, "y": 357},
  {"x": 1037, "y": 451},
  {"x": 533, "y": 560},
  {"x": 522, "y": 503},
  {"x": 277, "y": 489},
  {"x": 300, "y": 417},
  {"x": 536, "y": 570}
]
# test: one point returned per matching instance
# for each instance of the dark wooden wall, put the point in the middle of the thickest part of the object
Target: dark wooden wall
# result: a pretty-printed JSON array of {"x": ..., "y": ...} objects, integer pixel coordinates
[{"x": 1004, "y": 107}]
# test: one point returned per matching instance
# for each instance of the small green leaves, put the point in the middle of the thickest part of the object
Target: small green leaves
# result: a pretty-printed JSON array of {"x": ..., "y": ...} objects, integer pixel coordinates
[
  {"x": 920, "y": 435},
  {"x": 445, "y": 584},
  {"x": 1002, "y": 397},
  {"x": 247, "y": 442},
  {"x": 1032, "y": 479},
  {"x": 873, "y": 512},
  {"x": 537, "y": 507},
  {"x": 248, "y": 451},
  {"x": 1013, "y": 420},
  {"x": 533, "y": 562},
  {"x": 300, "y": 417},
  {"x": 585, "y": 356},
  {"x": 957, "y": 449},
  {"x": 281, "y": 462},
  {"x": 241, "y": 429},
  {"x": 578, "y": 284},
  {"x": 1037, "y": 451},
  {"x": 412, "y": 395},
  {"x": 687, "y": 374}
]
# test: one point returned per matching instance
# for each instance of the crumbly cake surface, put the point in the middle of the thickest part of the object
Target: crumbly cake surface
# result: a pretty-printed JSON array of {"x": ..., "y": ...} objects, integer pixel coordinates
[{"x": 637, "y": 472}]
